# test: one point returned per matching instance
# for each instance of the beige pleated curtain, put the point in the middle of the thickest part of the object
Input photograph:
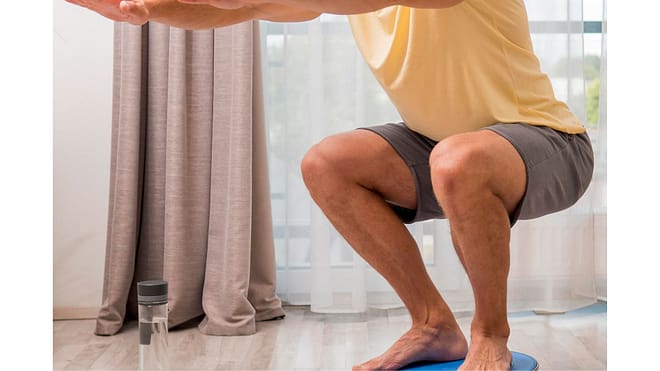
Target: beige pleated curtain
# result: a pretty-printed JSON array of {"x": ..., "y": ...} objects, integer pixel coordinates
[{"x": 189, "y": 194}]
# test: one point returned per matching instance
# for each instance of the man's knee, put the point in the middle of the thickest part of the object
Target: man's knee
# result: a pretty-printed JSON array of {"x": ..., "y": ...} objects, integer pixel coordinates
[
  {"x": 321, "y": 161},
  {"x": 312, "y": 165},
  {"x": 477, "y": 164},
  {"x": 458, "y": 167}
]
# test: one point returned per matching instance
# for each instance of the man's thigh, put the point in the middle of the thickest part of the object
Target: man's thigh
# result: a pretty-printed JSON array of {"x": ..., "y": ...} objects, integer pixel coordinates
[
  {"x": 558, "y": 167},
  {"x": 414, "y": 150},
  {"x": 369, "y": 160}
]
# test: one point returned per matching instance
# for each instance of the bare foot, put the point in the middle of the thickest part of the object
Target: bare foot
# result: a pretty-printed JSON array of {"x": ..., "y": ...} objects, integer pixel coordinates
[
  {"x": 420, "y": 343},
  {"x": 487, "y": 353}
]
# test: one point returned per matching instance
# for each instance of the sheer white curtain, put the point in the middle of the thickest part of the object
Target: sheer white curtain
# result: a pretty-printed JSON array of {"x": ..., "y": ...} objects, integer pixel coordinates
[{"x": 316, "y": 84}]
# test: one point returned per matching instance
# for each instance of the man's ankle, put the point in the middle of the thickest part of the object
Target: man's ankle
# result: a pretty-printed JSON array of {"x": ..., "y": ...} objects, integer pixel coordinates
[
  {"x": 490, "y": 330},
  {"x": 436, "y": 319}
]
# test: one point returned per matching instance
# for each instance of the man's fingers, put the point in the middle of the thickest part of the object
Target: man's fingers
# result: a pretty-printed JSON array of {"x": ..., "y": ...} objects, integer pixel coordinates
[
  {"x": 127, "y": 7},
  {"x": 136, "y": 12},
  {"x": 133, "y": 11},
  {"x": 77, "y": 2}
]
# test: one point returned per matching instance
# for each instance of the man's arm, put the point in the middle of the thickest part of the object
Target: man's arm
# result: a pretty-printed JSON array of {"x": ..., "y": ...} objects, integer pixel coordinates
[
  {"x": 192, "y": 17},
  {"x": 331, "y": 6},
  {"x": 201, "y": 16},
  {"x": 363, "y": 6}
]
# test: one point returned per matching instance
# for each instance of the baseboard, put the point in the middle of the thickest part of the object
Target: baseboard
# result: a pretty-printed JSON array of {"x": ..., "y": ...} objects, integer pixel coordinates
[{"x": 63, "y": 313}]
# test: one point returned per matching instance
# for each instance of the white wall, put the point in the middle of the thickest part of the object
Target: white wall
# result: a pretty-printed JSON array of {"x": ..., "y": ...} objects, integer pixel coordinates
[{"x": 82, "y": 104}]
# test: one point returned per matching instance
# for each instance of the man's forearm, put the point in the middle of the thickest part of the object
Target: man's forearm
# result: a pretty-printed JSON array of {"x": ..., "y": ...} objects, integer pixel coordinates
[
  {"x": 201, "y": 16},
  {"x": 363, "y": 6},
  {"x": 195, "y": 17}
]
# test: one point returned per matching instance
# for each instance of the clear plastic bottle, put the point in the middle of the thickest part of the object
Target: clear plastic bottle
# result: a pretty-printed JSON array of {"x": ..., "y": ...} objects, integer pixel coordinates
[{"x": 152, "y": 317}]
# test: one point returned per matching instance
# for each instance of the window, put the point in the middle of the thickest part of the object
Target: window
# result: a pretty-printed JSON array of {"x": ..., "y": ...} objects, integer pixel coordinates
[{"x": 307, "y": 69}]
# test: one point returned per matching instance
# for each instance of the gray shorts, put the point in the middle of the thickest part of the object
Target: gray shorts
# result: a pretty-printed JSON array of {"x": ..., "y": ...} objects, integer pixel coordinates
[{"x": 559, "y": 168}]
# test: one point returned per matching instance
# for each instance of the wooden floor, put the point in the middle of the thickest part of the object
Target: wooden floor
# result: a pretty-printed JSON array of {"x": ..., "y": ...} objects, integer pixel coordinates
[{"x": 305, "y": 340}]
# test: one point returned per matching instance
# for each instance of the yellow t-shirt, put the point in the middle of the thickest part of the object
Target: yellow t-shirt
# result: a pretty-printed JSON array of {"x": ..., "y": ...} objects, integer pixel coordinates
[{"x": 460, "y": 69}]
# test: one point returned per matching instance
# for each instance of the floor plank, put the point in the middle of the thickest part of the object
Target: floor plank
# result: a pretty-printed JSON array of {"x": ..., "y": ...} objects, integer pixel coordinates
[{"x": 312, "y": 341}]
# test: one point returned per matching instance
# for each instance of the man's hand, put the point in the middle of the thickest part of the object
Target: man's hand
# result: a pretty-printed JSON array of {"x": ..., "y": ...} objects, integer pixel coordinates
[{"x": 131, "y": 11}]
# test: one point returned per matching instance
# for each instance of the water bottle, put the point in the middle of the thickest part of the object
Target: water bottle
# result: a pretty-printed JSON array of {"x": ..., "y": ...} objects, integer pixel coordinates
[{"x": 152, "y": 317}]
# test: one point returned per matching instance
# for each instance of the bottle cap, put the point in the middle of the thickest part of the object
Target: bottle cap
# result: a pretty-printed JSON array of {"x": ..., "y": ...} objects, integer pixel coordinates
[{"x": 152, "y": 292}]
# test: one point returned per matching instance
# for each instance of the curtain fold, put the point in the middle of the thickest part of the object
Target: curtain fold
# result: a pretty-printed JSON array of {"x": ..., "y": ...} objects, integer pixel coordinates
[
  {"x": 189, "y": 195},
  {"x": 317, "y": 84}
]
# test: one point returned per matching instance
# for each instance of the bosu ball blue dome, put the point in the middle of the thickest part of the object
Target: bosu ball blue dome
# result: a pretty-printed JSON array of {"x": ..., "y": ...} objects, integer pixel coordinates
[{"x": 519, "y": 362}]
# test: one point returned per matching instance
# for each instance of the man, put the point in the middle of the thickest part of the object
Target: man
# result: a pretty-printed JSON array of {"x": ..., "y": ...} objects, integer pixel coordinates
[{"x": 484, "y": 143}]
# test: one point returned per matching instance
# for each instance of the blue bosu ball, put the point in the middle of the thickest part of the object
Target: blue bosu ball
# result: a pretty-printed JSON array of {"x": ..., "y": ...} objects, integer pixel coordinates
[{"x": 519, "y": 362}]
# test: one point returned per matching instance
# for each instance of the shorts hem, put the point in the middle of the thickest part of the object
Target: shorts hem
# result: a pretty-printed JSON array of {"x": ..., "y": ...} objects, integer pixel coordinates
[{"x": 413, "y": 172}]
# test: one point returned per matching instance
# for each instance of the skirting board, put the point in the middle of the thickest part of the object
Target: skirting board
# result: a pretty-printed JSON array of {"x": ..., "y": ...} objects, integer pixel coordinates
[{"x": 63, "y": 313}]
